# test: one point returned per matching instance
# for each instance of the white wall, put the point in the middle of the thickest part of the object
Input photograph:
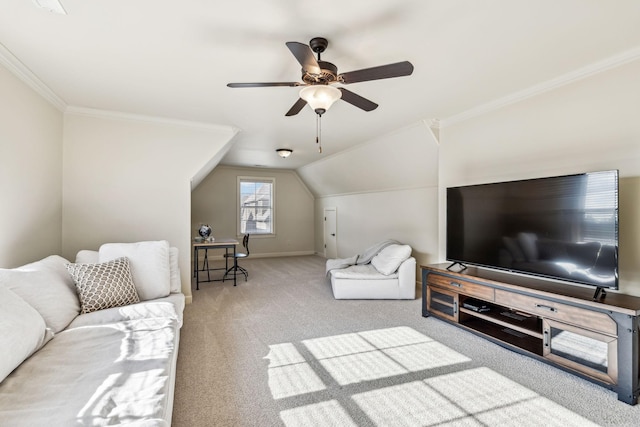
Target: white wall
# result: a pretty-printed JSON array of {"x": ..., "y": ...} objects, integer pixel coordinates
[
  {"x": 30, "y": 174},
  {"x": 383, "y": 189},
  {"x": 214, "y": 203},
  {"x": 590, "y": 124},
  {"x": 129, "y": 179}
]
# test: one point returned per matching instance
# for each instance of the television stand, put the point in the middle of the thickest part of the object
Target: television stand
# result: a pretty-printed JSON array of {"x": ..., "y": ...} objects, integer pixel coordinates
[{"x": 562, "y": 325}]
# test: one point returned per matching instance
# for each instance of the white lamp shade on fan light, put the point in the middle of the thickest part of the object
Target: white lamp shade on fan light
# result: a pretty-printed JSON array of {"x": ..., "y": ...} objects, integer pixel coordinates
[{"x": 320, "y": 97}]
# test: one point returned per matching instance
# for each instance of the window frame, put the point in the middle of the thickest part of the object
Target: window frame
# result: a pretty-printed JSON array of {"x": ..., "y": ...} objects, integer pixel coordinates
[{"x": 255, "y": 179}]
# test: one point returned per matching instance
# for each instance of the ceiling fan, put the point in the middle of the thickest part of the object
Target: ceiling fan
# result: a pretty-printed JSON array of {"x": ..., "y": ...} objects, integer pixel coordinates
[{"x": 318, "y": 77}]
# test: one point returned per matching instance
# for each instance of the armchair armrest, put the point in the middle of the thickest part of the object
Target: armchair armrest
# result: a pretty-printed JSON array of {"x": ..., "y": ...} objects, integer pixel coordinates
[{"x": 407, "y": 278}]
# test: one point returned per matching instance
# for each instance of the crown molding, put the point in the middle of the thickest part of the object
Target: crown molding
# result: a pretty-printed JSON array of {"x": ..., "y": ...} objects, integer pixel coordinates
[
  {"x": 379, "y": 191},
  {"x": 433, "y": 126},
  {"x": 21, "y": 71},
  {"x": 13, "y": 64},
  {"x": 579, "y": 74},
  {"x": 117, "y": 115}
]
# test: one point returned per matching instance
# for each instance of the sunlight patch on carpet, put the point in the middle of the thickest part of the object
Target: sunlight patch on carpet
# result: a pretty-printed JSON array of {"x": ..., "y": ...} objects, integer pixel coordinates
[
  {"x": 410, "y": 404},
  {"x": 467, "y": 397},
  {"x": 354, "y": 358},
  {"x": 289, "y": 373},
  {"x": 497, "y": 400},
  {"x": 534, "y": 413},
  {"x": 360, "y": 367},
  {"x": 381, "y": 353},
  {"x": 429, "y": 355},
  {"x": 321, "y": 414},
  {"x": 283, "y": 354},
  {"x": 480, "y": 389},
  {"x": 337, "y": 345},
  {"x": 394, "y": 337}
]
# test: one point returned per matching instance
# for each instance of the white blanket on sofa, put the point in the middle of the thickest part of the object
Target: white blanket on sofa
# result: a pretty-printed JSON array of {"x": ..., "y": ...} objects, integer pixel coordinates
[{"x": 363, "y": 258}]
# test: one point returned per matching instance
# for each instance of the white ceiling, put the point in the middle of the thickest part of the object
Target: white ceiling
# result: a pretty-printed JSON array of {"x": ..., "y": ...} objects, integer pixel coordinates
[{"x": 173, "y": 59}]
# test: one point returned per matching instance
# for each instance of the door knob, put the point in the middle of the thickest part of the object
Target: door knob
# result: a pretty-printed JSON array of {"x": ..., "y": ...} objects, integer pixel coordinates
[{"x": 333, "y": 234}]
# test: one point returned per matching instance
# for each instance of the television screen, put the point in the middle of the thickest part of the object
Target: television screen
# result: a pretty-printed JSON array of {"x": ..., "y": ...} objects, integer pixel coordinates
[{"x": 562, "y": 227}]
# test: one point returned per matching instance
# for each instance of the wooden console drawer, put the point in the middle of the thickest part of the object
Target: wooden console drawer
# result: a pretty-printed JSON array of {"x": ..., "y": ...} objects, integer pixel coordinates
[
  {"x": 461, "y": 286},
  {"x": 552, "y": 310}
]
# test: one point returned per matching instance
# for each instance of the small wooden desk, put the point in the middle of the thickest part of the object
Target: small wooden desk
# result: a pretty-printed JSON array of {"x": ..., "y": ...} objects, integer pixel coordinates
[{"x": 225, "y": 244}]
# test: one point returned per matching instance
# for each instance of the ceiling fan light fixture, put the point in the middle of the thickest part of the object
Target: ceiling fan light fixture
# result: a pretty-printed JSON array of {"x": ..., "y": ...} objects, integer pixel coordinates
[
  {"x": 284, "y": 152},
  {"x": 320, "y": 97}
]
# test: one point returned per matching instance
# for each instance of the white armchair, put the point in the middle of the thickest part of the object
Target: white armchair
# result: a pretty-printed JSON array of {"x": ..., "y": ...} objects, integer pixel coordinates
[{"x": 391, "y": 274}]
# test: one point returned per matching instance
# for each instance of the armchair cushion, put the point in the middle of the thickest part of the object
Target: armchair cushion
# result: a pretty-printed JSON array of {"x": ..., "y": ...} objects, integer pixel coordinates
[
  {"x": 389, "y": 259},
  {"x": 361, "y": 272}
]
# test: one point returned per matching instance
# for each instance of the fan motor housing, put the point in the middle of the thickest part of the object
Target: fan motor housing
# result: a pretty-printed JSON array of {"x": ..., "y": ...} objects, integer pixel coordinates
[{"x": 328, "y": 74}]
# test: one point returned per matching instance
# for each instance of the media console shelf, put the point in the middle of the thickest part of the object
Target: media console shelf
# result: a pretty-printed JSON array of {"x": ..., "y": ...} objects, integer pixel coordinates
[{"x": 556, "y": 323}]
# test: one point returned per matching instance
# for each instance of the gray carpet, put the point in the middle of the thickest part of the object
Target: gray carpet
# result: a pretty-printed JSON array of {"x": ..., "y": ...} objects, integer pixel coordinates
[{"x": 278, "y": 350}]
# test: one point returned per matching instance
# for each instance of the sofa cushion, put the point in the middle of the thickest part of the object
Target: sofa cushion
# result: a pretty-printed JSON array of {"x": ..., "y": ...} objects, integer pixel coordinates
[
  {"x": 141, "y": 310},
  {"x": 361, "y": 272},
  {"x": 150, "y": 265},
  {"x": 104, "y": 285},
  {"x": 389, "y": 259},
  {"x": 47, "y": 287},
  {"x": 175, "y": 284},
  {"x": 111, "y": 374},
  {"x": 86, "y": 256},
  {"x": 89, "y": 256},
  {"x": 339, "y": 263},
  {"x": 22, "y": 331}
]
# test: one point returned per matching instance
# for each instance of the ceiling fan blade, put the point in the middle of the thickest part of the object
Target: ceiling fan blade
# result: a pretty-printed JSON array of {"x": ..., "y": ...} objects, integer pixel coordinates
[
  {"x": 357, "y": 100},
  {"x": 267, "y": 84},
  {"x": 297, "y": 107},
  {"x": 304, "y": 55},
  {"x": 388, "y": 71}
]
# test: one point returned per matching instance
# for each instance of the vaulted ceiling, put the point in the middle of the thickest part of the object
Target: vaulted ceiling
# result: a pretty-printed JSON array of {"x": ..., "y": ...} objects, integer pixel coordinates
[{"x": 173, "y": 59}]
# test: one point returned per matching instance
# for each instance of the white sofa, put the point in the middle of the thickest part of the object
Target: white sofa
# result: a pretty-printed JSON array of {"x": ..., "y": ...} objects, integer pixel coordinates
[
  {"x": 385, "y": 271},
  {"x": 60, "y": 366}
]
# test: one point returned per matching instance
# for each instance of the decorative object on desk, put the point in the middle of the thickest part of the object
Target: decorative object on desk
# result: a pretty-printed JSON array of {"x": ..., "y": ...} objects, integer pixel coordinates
[{"x": 204, "y": 231}]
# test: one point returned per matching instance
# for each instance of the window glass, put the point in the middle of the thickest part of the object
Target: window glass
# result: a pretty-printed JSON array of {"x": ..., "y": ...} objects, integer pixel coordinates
[{"x": 256, "y": 210}]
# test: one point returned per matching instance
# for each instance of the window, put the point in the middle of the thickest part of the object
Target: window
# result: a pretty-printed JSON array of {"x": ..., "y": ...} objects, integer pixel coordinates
[{"x": 256, "y": 208}]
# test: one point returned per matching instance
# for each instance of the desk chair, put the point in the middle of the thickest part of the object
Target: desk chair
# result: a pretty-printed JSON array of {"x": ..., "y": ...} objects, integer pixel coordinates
[{"x": 236, "y": 267}]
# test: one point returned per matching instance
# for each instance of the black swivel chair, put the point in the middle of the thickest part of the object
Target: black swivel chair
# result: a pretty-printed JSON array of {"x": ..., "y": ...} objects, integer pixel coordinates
[{"x": 234, "y": 270}]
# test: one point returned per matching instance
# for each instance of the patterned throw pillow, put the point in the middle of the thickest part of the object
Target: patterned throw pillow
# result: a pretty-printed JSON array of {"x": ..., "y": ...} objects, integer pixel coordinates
[{"x": 104, "y": 285}]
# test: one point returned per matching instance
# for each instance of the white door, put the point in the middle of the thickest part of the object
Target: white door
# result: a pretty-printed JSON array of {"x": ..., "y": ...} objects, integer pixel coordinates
[{"x": 330, "y": 239}]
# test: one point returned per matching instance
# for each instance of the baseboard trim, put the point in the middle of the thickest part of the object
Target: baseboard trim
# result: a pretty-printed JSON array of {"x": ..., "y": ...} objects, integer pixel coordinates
[
  {"x": 267, "y": 255},
  {"x": 282, "y": 254}
]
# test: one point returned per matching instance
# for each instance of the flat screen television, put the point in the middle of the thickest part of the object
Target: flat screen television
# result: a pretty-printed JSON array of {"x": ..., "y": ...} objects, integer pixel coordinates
[{"x": 563, "y": 228}]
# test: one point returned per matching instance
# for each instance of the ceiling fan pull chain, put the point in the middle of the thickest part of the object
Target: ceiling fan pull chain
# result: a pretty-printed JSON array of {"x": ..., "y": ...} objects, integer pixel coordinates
[{"x": 319, "y": 132}]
